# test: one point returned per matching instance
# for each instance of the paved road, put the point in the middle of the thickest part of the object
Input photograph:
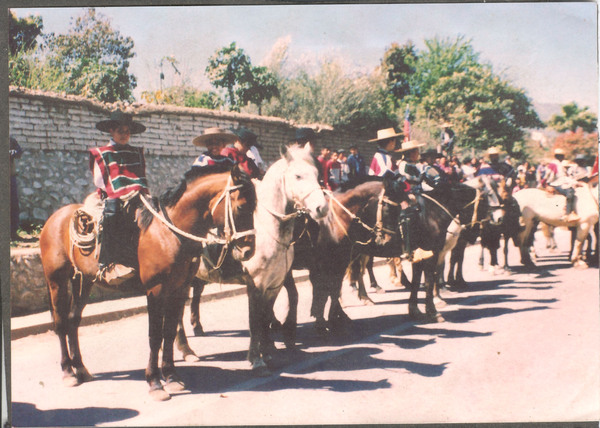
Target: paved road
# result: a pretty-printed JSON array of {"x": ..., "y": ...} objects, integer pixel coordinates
[{"x": 519, "y": 347}]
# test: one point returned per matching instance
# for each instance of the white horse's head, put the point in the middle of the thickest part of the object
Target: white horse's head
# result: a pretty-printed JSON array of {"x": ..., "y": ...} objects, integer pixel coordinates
[{"x": 301, "y": 180}]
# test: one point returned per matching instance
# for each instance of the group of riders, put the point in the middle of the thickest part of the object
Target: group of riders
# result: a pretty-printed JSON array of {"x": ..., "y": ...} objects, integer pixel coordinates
[{"x": 119, "y": 173}]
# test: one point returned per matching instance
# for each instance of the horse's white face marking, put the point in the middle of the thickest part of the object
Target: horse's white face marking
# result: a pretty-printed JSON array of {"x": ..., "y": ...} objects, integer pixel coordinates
[{"x": 301, "y": 183}]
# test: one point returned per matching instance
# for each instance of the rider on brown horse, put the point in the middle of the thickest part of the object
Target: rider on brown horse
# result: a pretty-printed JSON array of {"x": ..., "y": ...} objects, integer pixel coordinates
[{"x": 119, "y": 172}]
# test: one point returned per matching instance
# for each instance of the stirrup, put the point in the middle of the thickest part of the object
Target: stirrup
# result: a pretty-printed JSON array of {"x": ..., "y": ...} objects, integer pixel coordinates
[
  {"x": 115, "y": 274},
  {"x": 420, "y": 254}
]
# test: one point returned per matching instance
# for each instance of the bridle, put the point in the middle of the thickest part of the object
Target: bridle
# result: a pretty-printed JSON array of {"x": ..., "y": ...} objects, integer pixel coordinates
[
  {"x": 230, "y": 231},
  {"x": 378, "y": 228}
]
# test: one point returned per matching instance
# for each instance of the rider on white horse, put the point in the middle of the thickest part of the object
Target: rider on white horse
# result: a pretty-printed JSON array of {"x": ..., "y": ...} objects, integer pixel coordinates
[{"x": 557, "y": 178}]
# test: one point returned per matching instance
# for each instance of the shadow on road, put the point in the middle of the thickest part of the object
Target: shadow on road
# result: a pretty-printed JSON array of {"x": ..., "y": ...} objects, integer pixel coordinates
[{"x": 26, "y": 414}]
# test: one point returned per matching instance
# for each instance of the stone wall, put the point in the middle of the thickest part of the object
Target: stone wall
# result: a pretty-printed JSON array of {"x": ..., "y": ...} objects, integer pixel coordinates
[{"x": 56, "y": 132}]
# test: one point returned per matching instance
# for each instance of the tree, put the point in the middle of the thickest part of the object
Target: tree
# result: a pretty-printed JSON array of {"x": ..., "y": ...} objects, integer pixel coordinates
[
  {"x": 398, "y": 65},
  {"x": 486, "y": 110},
  {"x": 231, "y": 69},
  {"x": 573, "y": 118},
  {"x": 331, "y": 97},
  {"x": 93, "y": 59},
  {"x": 183, "y": 95},
  {"x": 578, "y": 142},
  {"x": 23, "y": 32}
]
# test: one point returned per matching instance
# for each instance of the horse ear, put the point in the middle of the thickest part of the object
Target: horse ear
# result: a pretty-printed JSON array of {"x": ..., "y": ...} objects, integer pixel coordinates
[
  {"x": 285, "y": 152},
  {"x": 308, "y": 148}
]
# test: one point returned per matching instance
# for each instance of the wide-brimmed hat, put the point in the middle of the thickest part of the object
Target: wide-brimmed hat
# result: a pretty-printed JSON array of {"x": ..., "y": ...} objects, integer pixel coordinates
[
  {"x": 119, "y": 118},
  {"x": 493, "y": 151},
  {"x": 580, "y": 158},
  {"x": 409, "y": 145},
  {"x": 305, "y": 134},
  {"x": 446, "y": 125},
  {"x": 246, "y": 136},
  {"x": 385, "y": 134},
  {"x": 559, "y": 151},
  {"x": 218, "y": 134}
]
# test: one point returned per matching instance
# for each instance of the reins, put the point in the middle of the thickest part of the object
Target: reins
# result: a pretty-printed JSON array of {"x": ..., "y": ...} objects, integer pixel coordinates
[
  {"x": 229, "y": 222},
  {"x": 474, "y": 202}
]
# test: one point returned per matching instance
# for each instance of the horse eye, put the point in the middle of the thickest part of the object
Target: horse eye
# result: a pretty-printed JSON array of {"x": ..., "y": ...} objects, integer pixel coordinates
[{"x": 298, "y": 177}]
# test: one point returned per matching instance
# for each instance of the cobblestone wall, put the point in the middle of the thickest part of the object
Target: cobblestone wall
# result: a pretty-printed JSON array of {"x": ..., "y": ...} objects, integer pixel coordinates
[{"x": 56, "y": 132}]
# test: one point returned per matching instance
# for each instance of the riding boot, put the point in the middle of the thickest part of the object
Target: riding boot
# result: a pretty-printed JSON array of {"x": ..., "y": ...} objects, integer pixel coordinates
[
  {"x": 409, "y": 229},
  {"x": 571, "y": 216},
  {"x": 109, "y": 271}
]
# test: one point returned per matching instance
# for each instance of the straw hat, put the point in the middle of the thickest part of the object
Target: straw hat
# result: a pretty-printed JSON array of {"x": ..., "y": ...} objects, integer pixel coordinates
[
  {"x": 446, "y": 125},
  {"x": 218, "y": 134},
  {"x": 493, "y": 151},
  {"x": 385, "y": 134},
  {"x": 559, "y": 151},
  {"x": 409, "y": 145},
  {"x": 117, "y": 119}
]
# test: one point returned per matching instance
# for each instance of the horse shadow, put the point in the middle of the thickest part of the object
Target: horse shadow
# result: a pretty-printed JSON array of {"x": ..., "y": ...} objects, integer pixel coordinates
[
  {"x": 27, "y": 414},
  {"x": 465, "y": 315}
]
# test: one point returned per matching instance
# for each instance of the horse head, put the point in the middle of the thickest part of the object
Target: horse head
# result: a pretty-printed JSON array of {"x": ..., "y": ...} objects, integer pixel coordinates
[
  {"x": 233, "y": 213},
  {"x": 300, "y": 181},
  {"x": 491, "y": 193}
]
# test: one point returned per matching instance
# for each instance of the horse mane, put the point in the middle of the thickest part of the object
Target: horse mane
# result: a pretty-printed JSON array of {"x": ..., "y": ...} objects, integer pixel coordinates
[
  {"x": 173, "y": 194},
  {"x": 360, "y": 193}
]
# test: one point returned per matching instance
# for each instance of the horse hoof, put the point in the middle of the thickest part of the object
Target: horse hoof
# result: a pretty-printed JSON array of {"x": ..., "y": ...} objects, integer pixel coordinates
[
  {"x": 580, "y": 264},
  {"x": 83, "y": 375},
  {"x": 366, "y": 301},
  {"x": 199, "y": 331},
  {"x": 159, "y": 394},
  {"x": 174, "y": 386},
  {"x": 435, "y": 318},
  {"x": 260, "y": 369},
  {"x": 377, "y": 289},
  {"x": 70, "y": 381},
  {"x": 191, "y": 358},
  {"x": 439, "y": 302}
]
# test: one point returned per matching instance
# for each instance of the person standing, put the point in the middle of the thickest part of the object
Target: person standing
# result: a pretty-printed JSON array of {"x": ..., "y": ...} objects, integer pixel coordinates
[
  {"x": 119, "y": 172},
  {"x": 237, "y": 151},
  {"x": 357, "y": 168},
  {"x": 332, "y": 173},
  {"x": 15, "y": 152},
  {"x": 446, "y": 139}
]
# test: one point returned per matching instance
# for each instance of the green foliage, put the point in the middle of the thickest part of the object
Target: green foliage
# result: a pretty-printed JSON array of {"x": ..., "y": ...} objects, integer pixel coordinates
[
  {"x": 231, "y": 69},
  {"x": 450, "y": 84},
  {"x": 185, "y": 96},
  {"x": 398, "y": 65},
  {"x": 93, "y": 59},
  {"x": 573, "y": 118},
  {"x": 334, "y": 98},
  {"x": 22, "y": 33}
]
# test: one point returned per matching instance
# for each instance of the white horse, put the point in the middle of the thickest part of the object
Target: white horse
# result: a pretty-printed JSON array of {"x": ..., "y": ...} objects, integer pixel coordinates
[
  {"x": 290, "y": 187},
  {"x": 540, "y": 206}
]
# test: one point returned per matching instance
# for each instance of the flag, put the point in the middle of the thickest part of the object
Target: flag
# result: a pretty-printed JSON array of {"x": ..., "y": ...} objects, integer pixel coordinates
[{"x": 407, "y": 124}]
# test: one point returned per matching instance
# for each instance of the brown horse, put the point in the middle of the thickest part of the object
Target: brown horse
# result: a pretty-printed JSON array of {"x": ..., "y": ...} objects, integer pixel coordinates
[{"x": 167, "y": 258}]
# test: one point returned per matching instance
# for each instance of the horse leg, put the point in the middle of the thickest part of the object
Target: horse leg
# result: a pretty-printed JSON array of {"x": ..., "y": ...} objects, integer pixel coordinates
[
  {"x": 582, "y": 232},
  {"x": 155, "y": 332},
  {"x": 338, "y": 319},
  {"x": 291, "y": 320},
  {"x": 319, "y": 300},
  {"x": 413, "y": 308},
  {"x": 430, "y": 309},
  {"x": 173, "y": 311},
  {"x": 198, "y": 288},
  {"x": 372, "y": 279},
  {"x": 259, "y": 320},
  {"x": 457, "y": 257},
  {"x": 59, "y": 302},
  {"x": 481, "y": 257},
  {"x": 357, "y": 269},
  {"x": 80, "y": 294}
]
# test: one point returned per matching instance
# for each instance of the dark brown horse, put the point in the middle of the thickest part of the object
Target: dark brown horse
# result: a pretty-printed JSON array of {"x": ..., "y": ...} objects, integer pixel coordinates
[{"x": 167, "y": 258}]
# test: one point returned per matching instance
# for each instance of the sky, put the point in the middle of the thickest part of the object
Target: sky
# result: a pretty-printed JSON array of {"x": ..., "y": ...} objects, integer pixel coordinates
[{"x": 548, "y": 49}]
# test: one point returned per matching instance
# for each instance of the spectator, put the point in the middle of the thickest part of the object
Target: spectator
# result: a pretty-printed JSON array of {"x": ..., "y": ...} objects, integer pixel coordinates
[
  {"x": 344, "y": 170},
  {"x": 15, "y": 152},
  {"x": 332, "y": 172},
  {"x": 357, "y": 168},
  {"x": 323, "y": 159},
  {"x": 446, "y": 139}
]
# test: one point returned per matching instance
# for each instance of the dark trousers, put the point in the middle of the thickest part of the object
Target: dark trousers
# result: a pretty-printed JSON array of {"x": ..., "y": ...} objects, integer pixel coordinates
[{"x": 570, "y": 195}]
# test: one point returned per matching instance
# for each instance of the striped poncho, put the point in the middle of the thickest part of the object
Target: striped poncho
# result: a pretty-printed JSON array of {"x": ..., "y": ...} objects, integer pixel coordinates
[{"x": 122, "y": 167}]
